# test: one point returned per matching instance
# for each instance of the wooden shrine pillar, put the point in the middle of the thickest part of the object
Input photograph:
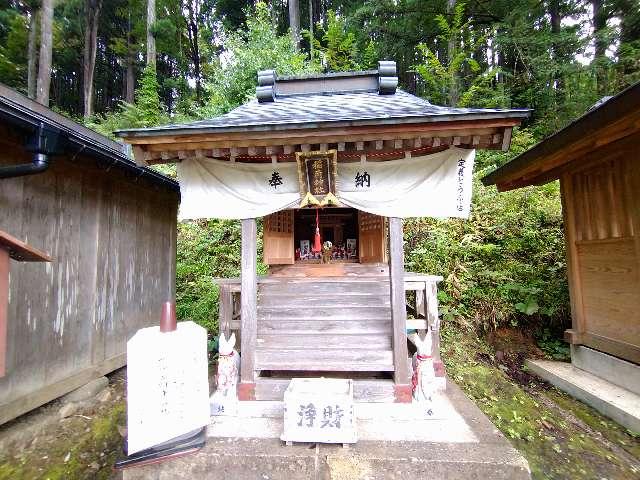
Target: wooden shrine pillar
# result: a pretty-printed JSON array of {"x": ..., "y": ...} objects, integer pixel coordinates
[
  {"x": 11, "y": 247},
  {"x": 402, "y": 387},
  {"x": 248, "y": 309}
]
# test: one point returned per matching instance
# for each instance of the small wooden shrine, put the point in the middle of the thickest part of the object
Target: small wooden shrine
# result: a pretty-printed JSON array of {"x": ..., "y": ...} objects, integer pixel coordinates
[{"x": 332, "y": 164}]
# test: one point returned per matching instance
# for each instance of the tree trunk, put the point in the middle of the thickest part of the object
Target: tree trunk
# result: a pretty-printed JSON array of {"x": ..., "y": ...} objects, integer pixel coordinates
[
  {"x": 194, "y": 48},
  {"x": 454, "y": 94},
  {"x": 32, "y": 54},
  {"x": 130, "y": 60},
  {"x": 46, "y": 52},
  {"x": 629, "y": 13},
  {"x": 151, "y": 39},
  {"x": 599, "y": 25},
  {"x": 92, "y": 13},
  {"x": 556, "y": 21},
  {"x": 130, "y": 81},
  {"x": 294, "y": 22},
  {"x": 311, "y": 29}
]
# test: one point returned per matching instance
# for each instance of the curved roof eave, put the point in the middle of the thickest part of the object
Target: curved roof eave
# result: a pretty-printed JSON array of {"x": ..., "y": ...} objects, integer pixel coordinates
[{"x": 284, "y": 125}]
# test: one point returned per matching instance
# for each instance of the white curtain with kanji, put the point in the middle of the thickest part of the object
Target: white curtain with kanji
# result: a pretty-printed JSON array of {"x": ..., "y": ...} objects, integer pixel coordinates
[{"x": 437, "y": 185}]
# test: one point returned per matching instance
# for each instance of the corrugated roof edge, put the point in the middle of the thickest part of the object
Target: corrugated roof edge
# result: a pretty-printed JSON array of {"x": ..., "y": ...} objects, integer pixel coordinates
[
  {"x": 26, "y": 113},
  {"x": 195, "y": 129},
  {"x": 612, "y": 109}
]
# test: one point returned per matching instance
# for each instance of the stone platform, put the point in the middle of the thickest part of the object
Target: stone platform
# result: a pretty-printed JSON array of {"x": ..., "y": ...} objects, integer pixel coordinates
[
  {"x": 393, "y": 443},
  {"x": 610, "y": 399}
]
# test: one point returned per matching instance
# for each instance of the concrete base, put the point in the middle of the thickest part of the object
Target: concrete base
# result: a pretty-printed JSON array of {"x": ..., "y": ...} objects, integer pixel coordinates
[
  {"x": 613, "y": 369},
  {"x": 395, "y": 441},
  {"x": 613, "y": 401}
]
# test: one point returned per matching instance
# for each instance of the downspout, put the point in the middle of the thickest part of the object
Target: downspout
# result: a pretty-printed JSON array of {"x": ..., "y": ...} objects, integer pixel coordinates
[{"x": 43, "y": 143}]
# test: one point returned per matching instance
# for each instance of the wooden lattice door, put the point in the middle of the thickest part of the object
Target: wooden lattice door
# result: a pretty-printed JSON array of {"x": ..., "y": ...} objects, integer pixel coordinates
[
  {"x": 372, "y": 238},
  {"x": 278, "y": 238}
]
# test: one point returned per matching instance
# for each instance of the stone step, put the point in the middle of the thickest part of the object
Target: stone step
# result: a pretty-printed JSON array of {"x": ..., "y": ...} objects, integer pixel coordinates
[{"x": 615, "y": 402}]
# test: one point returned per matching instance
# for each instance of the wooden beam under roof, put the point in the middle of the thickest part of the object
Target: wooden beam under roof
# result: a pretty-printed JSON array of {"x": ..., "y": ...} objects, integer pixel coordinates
[
  {"x": 275, "y": 137},
  {"x": 375, "y": 149}
]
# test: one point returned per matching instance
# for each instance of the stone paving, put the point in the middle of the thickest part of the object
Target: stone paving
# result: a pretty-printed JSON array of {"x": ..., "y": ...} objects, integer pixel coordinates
[{"x": 394, "y": 443}]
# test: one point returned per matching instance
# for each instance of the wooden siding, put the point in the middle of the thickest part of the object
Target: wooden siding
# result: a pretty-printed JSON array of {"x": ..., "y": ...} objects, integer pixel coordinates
[
  {"x": 371, "y": 230},
  {"x": 113, "y": 242},
  {"x": 277, "y": 240},
  {"x": 602, "y": 216}
]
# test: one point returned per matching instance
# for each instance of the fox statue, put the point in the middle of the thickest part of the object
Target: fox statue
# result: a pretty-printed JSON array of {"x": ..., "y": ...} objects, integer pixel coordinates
[
  {"x": 424, "y": 377},
  {"x": 225, "y": 399}
]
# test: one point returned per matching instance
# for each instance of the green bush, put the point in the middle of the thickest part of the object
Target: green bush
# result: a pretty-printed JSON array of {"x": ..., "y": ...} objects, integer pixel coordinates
[
  {"x": 207, "y": 249},
  {"x": 506, "y": 263}
]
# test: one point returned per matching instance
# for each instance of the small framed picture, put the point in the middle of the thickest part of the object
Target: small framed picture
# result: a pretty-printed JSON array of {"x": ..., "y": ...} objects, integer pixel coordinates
[
  {"x": 305, "y": 246},
  {"x": 351, "y": 244}
]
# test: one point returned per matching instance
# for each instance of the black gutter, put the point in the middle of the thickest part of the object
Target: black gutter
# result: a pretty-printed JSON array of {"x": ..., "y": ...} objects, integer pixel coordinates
[
  {"x": 28, "y": 116},
  {"x": 40, "y": 164},
  {"x": 44, "y": 142}
]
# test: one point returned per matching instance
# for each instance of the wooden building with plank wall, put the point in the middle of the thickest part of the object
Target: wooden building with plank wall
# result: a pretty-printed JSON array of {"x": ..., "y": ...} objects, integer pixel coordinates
[
  {"x": 340, "y": 158},
  {"x": 596, "y": 161},
  {"x": 108, "y": 227}
]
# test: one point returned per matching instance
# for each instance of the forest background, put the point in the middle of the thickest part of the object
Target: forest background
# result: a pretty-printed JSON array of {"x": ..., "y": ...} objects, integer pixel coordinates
[{"x": 132, "y": 63}]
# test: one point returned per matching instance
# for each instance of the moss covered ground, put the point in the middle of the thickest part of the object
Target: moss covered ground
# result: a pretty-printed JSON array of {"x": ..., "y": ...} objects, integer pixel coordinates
[
  {"x": 83, "y": 446},
  {"x": 560, "y": 437}
]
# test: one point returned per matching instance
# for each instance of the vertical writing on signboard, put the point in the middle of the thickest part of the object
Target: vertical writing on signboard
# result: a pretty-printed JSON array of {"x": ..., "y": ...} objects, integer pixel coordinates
[{"x": 460, "y": 189}]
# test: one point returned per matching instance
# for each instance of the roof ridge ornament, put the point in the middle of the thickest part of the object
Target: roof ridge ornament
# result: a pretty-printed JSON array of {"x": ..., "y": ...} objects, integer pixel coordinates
[
  {"x": 265, "y": 91},
  {"x": 387, "y": 78}
]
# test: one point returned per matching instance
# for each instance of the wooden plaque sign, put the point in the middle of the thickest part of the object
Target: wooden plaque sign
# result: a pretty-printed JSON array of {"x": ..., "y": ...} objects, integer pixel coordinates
[{"x": 317, "y": 177}]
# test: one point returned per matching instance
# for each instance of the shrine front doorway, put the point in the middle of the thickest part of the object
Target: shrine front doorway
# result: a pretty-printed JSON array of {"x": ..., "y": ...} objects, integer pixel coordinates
[{"x": 347, "y": 236}]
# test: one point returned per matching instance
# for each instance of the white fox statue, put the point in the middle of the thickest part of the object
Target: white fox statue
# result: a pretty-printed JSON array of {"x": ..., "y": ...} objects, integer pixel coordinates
[
  {"x": 424, "y": 377},
  {"x": 225, "y": 399}
]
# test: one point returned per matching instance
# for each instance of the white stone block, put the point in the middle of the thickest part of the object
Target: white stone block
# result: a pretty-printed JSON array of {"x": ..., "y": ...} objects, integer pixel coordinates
[
  {"x": 224, "y": 405},
  {"x": 319, "y": 410},
  {"x": 167, "y": 384}
]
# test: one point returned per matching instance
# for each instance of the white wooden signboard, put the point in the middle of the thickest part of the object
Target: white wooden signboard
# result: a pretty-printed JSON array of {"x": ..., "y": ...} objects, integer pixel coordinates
[
  {"x": 167, "y": 384},
  {"x": 319, "y": 410}
]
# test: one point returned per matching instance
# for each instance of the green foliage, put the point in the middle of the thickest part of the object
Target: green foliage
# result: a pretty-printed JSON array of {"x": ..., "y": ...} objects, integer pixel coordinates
[
  {"x": 148, "y": 111},
  {"x": 338, "y": 50},
  {"x": 461, "y": 80},
  {"x": 505, "y": 265},
  {"x": 147, "y": 98},
  {"x": 370, "y": 56},
  {"x": 233, "y": 79},
  {"x": 552, "y": 345},
  {"x": 13, "y": 58},
  {"x": 207, "y": 249}
]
